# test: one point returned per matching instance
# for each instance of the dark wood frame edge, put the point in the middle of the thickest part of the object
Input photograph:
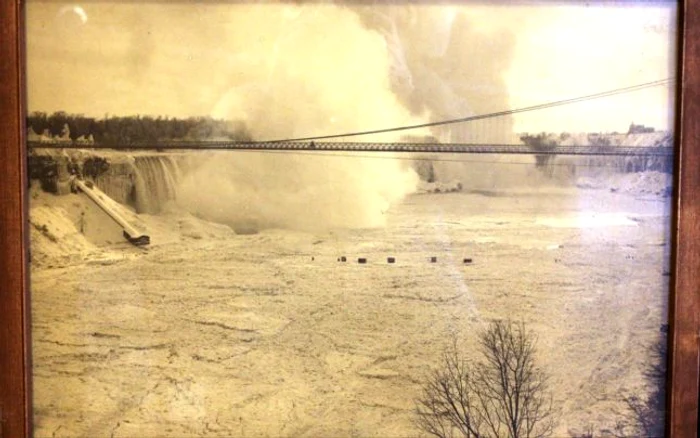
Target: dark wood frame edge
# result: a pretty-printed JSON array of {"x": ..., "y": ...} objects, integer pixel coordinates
[
  {"x": 684, "y": 310},
  {"x": 15, "y": 344},
  {"x": 15, "y": 368}
]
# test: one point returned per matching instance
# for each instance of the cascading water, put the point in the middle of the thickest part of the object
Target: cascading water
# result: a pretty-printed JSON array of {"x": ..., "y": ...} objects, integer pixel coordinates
[{"x": 155, "y": 183}]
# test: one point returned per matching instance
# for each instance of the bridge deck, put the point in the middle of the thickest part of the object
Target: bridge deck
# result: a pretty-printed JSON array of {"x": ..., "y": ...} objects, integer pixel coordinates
[{"x": 457, "y": 148}]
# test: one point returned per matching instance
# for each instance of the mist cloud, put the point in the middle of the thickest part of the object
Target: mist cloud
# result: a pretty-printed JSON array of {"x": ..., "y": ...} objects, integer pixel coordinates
[
  {"x": 286, "y": 70},
  {"x": 318, "y": 71},
  {"x": 442, "y": 66}
]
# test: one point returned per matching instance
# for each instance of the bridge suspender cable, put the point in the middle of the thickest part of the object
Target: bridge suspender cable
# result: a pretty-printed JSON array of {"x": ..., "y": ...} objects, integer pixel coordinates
[{"x": 489, "y": 115}]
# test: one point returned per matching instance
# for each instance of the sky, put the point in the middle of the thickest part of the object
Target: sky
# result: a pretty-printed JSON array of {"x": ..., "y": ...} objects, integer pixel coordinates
[{"x": 312, "y": 69}]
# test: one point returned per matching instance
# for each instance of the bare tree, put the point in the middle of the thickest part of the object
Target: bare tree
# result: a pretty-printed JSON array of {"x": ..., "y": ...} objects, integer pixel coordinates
[
  {"x": 502, "y": 395},
  {"x": 450, "y": 406}
]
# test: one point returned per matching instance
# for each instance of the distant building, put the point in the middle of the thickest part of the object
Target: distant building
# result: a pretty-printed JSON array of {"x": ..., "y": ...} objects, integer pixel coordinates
[{"x": 639, "y": 129}]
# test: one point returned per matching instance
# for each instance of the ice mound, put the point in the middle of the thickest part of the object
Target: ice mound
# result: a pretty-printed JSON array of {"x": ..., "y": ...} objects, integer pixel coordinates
[
  {"x": 439, "y": 187},
  {"x": 645, "y": 183},
  {"x": 54, "y": 235}
]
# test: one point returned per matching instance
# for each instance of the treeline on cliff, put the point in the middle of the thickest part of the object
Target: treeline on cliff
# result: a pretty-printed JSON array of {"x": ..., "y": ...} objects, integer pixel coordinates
[{"x": 115, "y": 130}]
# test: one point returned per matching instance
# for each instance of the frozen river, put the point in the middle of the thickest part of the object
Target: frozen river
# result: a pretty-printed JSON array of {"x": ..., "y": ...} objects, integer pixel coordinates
[{"x": 208, "y": 333}]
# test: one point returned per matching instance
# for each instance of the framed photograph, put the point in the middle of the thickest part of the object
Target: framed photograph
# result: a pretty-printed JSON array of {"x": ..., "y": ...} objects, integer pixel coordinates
[{"x": 331, "y": 219}]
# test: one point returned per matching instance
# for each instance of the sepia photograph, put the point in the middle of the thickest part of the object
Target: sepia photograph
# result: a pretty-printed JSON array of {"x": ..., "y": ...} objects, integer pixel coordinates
[{"x": 350, "y": 219}]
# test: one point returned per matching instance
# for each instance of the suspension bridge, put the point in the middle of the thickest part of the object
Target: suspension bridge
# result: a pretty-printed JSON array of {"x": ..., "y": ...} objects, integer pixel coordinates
[
  {"x": 490, "y": 133},
  {"x": 396, "y": 147}
]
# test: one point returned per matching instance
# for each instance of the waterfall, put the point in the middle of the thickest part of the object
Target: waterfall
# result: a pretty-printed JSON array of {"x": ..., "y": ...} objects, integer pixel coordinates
[
  {"x": 145, "y": 182},
  {"x": 566, "y": 168},
  {"x": 155, "y": 183}
]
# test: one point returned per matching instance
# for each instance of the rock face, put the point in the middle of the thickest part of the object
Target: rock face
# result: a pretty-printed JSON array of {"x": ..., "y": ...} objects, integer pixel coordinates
[
  {"x": 44, "y": 169},
  {"x": 118, "y": 181}
]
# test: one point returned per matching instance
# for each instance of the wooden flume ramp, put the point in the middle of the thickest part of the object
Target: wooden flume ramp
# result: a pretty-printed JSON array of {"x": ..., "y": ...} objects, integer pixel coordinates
[{"x": 130, "y": 232}]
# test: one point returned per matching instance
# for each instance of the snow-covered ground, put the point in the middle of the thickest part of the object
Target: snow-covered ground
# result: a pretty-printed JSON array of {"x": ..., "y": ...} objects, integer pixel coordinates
[{"x": 209, "y": 333}]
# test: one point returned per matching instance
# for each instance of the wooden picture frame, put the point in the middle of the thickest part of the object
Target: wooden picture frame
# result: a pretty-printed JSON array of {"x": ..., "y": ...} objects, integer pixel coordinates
[{"x": 15, "y": 337}]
